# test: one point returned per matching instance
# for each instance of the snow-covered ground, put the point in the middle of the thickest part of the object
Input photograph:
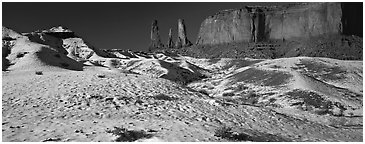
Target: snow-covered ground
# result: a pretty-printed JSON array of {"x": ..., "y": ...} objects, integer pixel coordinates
[{"x": 63, "y": 89}]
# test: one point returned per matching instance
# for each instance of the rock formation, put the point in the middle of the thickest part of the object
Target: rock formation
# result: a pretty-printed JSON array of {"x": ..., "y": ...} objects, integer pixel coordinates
[
  {"x": 182, "y": 40},
  {"x": 155, "y": 36},
  {"x": 60, "y": 32},
  {"x": 257, "y": 23},
  {"x": 170, "y": 43}
]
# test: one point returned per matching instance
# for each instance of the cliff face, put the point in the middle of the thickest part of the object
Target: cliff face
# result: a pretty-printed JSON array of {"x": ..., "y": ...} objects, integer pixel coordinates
[{"x": 255, "y": 24}]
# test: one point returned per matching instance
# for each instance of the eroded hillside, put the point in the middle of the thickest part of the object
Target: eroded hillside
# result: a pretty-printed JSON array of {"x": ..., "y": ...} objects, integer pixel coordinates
[{"x": 52, "y": 94}]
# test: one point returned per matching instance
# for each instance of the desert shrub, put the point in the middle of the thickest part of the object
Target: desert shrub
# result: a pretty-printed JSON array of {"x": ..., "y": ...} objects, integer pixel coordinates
[
  {"x": 203, "y": 92},
  {"x": 115, "y": 63},
  {"x": 52, "y": 139},
  {"x": 226, "y": 133},
  {"x": 275, "y": 67},
  {"x": 250, "y": 98},
  {"x": 241, "y": 87},
  {"x": 39, "y": 73},
  {"x": 97, "y": 63},
  {"x": 223, "y": 132},
  {"x": 125, "y": 135},
  {"x": 271, "y": 100},
  {"x": 163, "y": 97},
  {"x": 228, "y": 94},
  {"x": 19, "y": 55}
]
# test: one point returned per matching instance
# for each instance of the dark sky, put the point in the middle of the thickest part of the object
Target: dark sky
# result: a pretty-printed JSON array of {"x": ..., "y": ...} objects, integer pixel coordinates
[{"x": 122, "y": 25}]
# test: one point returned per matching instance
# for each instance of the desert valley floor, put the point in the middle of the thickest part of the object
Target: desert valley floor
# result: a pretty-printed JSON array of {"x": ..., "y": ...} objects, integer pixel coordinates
[
  {"x": 51, "y": 92},
  {"x": 88, "y": 105}
]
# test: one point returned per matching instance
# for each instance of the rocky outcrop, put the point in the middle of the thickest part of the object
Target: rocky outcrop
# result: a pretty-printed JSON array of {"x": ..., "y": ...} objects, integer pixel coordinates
[
  {"x": 66, "y": 42},
  {"x": 182, "y": 40},
  {"x": 170, "y": 43},
  {"x": 155, "y": 36},
  {"x": 257, "y": 23},
  {"x": 60, "y": 32}
]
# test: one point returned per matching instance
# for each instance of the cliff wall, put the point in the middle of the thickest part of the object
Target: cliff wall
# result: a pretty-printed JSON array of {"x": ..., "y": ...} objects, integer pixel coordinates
[{"x": 257, "y": 23}]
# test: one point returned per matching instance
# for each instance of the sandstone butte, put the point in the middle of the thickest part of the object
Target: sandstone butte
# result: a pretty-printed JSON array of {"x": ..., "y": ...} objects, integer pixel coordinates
[{"x": 260, "y": 23}]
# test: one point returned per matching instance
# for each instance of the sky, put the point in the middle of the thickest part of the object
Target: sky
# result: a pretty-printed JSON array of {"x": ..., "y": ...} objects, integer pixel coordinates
[{"x": 114, "y": 25}]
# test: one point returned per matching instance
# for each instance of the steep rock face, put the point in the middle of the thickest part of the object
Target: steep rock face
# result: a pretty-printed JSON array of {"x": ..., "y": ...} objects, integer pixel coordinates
[
  {"x": 225, "y": 26},
  {"x": 170, "y": 43},
  {"x": 155, "y": 36},
  {"x": 255, "y": 23},
  {"x": 45, "y": 39},
  {"x": 305, "y": 21},
  {"x": 182, "y": 40}
]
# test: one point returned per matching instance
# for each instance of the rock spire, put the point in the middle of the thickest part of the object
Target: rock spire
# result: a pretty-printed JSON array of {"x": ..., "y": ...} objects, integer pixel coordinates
[
  {"x": 155, "y": 36},
  {"x": 182, "y": 40},
  {"x": 170, "y": 43}
]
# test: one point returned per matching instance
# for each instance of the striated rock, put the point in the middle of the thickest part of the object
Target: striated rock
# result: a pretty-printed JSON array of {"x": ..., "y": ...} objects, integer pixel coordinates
[
  {"x": 257, "y": 23},
  {"x": 170, "y": 43},
  {"x": 182, "y": 40},
  {"x": 155, "y": 36}
]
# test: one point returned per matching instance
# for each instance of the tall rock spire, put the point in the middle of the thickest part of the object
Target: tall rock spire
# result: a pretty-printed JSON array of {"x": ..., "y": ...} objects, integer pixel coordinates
[
  {"x": 170, "y": 43},
  {"x": 155, "y": 36},
  {"x": 182, "y": 40}
]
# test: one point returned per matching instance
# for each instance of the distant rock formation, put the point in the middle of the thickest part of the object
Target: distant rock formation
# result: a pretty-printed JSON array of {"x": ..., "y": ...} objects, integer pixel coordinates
[
  {"x": 259, "y": 23},
  {"x": 66, "y": 42},
  {"x": 170, "y": 43},
  {"x": 60, "y": 32},
  {"x": 155, "y": 36},
  {"x": 182, "y": 40}
]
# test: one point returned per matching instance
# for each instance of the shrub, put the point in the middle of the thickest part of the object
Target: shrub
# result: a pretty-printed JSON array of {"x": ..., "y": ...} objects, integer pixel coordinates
[
  {"x": 226, "y": 133},
  {"x": 19, "y": 55},
  {"x": 241, "y": 87},
  {"x": 39, "y": 73},
  {"x": 163, "y": 97},
  {"x": 125, "y": 135},
  {"x": 250, "y": 98},
  {"x": 223, "y": 132},
  {"x": 228, "y": 94},
  {"x": 203, "y": 92}
]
